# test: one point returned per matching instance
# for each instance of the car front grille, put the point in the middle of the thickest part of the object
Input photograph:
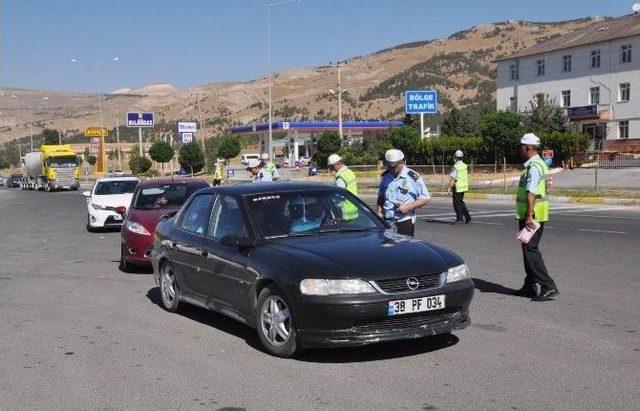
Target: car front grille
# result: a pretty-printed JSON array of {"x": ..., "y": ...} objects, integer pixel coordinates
[
  {"x": 399, "y": 285},
  {"x": 404, "y": 320}
]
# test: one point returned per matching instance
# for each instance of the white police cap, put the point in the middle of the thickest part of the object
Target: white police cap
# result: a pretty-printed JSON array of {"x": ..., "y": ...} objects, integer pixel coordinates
[
  {"x": 393, "y": 156},
  {"x": 333, "y": 158},
  {"x": 264, "y": 156},
  {"x": 530, "y": 139},
  {"x": 253, "y": 162},
  {"x": 459, "y": 154}
]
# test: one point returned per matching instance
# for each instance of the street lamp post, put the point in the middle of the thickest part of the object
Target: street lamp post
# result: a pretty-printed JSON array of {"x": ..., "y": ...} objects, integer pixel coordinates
[
  {"x": 340, "y": 92},
  {"x": 268, "y": 6}
]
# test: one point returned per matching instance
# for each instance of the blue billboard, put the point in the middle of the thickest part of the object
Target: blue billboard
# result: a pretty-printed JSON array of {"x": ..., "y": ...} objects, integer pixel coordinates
[
  {"x": 421, "y": 102},
  {"x": 139, "y": 119}
]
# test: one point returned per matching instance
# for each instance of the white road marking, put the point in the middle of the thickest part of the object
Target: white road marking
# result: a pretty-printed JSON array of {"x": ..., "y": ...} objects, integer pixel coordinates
[
  {"x": 590, "y": 230},
  {"x": 486, "y": 223}
]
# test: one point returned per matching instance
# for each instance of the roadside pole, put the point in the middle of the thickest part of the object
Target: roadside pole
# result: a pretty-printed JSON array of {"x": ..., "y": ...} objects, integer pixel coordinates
[
  {"x": 140, "y": 141},
  {"x": 118, "y": 145},
  {"x": 597, "y": 166},
  {"x": 421, "y": 126}
]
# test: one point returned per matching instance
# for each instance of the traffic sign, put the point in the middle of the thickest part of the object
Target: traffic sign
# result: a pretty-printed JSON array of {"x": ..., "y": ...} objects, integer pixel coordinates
[
  {"x": 421, "y": 102},
  {"x": 139, "y": 119},
  {"x": 186, "y": 138},
  {"x": 187, "y": 127},
  {"x": 95, "y": 132}
]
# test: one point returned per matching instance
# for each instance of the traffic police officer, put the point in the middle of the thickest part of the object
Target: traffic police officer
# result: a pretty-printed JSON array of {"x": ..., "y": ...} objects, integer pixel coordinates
[
  {"x": 217, "y": 173},
  {"x": 257, "y": 171},
  {"x": 459, "y": 183},
  {"x": 402, "y": 191},
  {"x": 346, "y": 179},
  {"x": 269, "y": 166},
  {"x": 532, "y": 204}
]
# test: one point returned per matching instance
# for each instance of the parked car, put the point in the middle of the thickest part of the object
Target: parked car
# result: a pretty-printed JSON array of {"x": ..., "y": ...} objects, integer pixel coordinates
[
  {"x": 152, "y": 199},
  {"x": 313, "y": 170},
  {"x": 108, "y": 200},
  {"x": 282, "y": 258},
  {"x": 246, "y": 157},
  {"x": 14, "y": 180}
]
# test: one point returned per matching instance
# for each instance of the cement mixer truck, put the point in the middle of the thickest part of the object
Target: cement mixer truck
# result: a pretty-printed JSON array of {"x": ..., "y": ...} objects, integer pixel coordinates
[{"x": 51, "y": 168}]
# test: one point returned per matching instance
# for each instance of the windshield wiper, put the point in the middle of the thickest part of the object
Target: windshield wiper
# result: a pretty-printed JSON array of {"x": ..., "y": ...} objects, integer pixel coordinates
[{"x": 344, "y": 230}]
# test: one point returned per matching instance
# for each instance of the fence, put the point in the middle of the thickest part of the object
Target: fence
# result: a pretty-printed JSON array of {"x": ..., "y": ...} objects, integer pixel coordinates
[{"x": 604, "y": 159}]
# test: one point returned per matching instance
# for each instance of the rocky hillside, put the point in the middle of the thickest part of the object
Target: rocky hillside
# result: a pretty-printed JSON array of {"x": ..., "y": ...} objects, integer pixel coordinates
[{"x": 460, "y": 66}]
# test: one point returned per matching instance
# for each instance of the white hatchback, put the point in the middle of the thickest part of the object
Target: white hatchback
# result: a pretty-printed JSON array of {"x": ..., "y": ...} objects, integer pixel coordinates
[{"x": 108, "y": 201}]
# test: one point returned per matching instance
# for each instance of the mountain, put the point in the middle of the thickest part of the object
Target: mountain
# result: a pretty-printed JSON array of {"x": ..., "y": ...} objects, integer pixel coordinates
[{"x": 460, "y": 67}]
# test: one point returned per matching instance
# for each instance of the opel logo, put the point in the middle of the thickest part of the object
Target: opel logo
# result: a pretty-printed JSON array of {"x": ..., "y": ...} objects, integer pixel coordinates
[{"x": 413, "y": 283}]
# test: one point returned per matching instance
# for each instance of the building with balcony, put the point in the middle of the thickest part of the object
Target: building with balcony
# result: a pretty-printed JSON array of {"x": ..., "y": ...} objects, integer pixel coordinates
[{"x": 593, "y": 72}]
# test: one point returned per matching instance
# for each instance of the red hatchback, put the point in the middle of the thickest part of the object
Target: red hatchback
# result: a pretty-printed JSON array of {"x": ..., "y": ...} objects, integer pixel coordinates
[{"x": 151, "y": 200}]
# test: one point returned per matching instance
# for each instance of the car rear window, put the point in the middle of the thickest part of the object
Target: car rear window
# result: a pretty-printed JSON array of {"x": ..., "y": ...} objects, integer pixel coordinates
[{"x": 159, "y": 196}]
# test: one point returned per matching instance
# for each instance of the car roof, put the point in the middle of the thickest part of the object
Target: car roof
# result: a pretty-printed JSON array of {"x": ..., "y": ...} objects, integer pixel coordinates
[
  {"x": 260, "y": 188},
  {"x": 174, "y": 180},
  {"x": 118, "y": 178}
]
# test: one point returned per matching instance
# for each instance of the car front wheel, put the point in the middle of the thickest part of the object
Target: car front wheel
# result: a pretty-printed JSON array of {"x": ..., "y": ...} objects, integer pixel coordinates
[
  {"x": 275, "y": 323},
  {"x": 169, "y": 288}
]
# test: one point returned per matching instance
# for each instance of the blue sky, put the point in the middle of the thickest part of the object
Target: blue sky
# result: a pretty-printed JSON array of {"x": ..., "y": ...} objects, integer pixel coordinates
[{"x": 190, "y": 42}]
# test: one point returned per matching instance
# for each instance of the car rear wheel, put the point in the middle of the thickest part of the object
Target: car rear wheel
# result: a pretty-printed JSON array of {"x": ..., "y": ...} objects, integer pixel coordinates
[
  {"x": 169, "y": 288},
  {"x": 275, "y": 323}
]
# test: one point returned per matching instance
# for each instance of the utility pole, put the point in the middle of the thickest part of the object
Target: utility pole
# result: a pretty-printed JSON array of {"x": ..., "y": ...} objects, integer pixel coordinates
[
  {"x": 339, "y": 105},
  {"x": 118, "y": 144}
]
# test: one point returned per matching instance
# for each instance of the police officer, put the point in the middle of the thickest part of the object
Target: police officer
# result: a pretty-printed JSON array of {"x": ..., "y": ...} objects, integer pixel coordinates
[
  {"x": 258, "y": 174},
  {"x": 269, "y": 166},
  {"x": 402, "y": 191},
  {"x": 346, "y": 179},
  {"x": 217, "y": 174},
  {"x": 459, "y": 184},
  {"x": 532, "y": 204}
]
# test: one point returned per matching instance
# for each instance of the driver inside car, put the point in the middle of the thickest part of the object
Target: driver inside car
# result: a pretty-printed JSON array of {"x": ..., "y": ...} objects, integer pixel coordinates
[{"x": 306, "y": 214}]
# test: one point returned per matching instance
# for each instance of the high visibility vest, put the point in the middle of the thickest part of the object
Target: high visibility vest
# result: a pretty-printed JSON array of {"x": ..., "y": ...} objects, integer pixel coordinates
[
  {"x": 349, "y": 210},
  {"x": 270, "y": 168},
  {"x": 541, "y": 209},
  {"x": 462, "y": 177},
  {"x": 217, "y": 172}
]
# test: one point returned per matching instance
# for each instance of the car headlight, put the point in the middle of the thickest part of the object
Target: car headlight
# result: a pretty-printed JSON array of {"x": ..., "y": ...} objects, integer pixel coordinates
[
  {"x": 99, "y": 207},
  {"x": 136, "y": 228},
  {"x": 333, "y": 287},
  {"x": 458, "y": 273}
]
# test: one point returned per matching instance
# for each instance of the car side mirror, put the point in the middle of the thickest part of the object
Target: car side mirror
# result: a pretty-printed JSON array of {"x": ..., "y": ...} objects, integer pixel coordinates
[
  {"x": 236, "y": 241},
  {"x": 169, "y": 215},
  {"x": 86, "y": 194}
]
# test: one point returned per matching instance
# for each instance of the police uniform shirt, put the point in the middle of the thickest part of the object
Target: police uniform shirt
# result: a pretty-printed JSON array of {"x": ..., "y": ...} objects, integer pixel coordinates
[
  {"x": 533, "y": 175},
  {"x": 262, "y": 176},
  {"x": 407, "y": 187},
  {"x": 340, "y": 181}
]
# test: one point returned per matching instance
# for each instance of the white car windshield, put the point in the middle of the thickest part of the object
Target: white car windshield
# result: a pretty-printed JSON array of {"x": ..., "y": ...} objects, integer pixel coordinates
[{"x": 115, "y": 187}]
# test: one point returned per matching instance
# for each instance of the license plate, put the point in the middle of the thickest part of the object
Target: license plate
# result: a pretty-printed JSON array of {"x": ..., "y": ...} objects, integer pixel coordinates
[{"x": 415, "y": 305}]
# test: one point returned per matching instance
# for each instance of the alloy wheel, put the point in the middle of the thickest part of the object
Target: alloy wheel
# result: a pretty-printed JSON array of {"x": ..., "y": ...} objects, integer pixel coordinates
[
  {"x": 275, "y": 320},
  {"x": 168, "y": 285}
]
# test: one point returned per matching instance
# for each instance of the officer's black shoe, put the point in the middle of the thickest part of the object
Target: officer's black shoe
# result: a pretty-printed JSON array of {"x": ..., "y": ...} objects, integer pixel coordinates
[
  {"x": 526, "y": 291},
  {"x": 458, "y": 222},
  {"x": 467, "y": 221},
  {"x": 546, "y": 295}
]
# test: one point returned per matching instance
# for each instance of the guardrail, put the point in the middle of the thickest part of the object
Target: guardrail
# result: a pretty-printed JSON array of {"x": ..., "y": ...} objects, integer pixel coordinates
[{"x": 607, "y": 159}]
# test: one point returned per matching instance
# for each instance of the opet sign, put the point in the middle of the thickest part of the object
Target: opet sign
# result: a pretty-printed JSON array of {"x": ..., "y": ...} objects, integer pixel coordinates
[{"x": 96, "y": 132}]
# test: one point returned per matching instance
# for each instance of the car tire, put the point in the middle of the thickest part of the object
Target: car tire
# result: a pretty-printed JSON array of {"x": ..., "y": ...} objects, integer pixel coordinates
[
  {"x": 169, "y": 292},
  {"x": 89, "y": 228},
  {"x": 125, "y": 266},
  {"x": 276, "y": 332}
]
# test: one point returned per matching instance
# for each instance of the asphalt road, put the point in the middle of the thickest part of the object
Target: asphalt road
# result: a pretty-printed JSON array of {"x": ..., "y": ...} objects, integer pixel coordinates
[{"x": 76, "y": 333}]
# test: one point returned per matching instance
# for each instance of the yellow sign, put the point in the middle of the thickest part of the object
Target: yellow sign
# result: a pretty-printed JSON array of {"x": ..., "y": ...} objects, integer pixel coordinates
[{"x": 95, "y": 132}]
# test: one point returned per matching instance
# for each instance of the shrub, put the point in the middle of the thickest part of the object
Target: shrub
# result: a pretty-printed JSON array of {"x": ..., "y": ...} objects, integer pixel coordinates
[
  {"x": 191, "y": 157},
  {"x": 91, "y": 159},
  {"x": 229, "y": 147},
  {"x": 328, "y": 143},
  {"x": 161, "y": 151},
  {"x": 139, "y": 165}
]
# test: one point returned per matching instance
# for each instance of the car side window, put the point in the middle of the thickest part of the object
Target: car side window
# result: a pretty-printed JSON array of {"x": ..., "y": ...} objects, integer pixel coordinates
[
  {"x": 196, "y": 216},
  {"x": 226, "y": 219}
]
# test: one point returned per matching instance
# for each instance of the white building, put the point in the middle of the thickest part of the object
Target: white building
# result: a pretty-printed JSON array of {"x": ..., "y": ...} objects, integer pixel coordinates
[{"x": 593, "y": 72}]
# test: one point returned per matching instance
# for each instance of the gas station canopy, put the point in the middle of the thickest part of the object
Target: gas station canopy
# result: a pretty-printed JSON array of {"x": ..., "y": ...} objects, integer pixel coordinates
[{"x": 304, "y": 127}]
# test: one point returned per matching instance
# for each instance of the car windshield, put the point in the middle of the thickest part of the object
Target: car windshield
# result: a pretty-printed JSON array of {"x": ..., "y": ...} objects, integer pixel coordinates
[
  {"x": 61, "y": 162},
  {"x": 309, "y": 213},
  {"x": 152, "y": 197},
  {"x": 105, "y": 188}
]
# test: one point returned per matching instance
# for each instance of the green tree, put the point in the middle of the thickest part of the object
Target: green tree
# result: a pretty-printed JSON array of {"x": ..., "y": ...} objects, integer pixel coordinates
[
  {"x": 161, "y": 151},
  {"x": 139, "y": 165},
  {"x": 229, "y": 147},
  {"x": 328, "y": 143},
  {"x": 112, "y": 154},
  {"x": 406, "y": 139},
  {"x": 50, "y": 136},
  {"x": 191, "y": 157},
  {"x": 545, "y": 115},
  {"x": 211, "y": 147},
  {"x": 91, "y": 159},
  {"x": 501, "y": 132},
  {"x": 4, "y": 163}
]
